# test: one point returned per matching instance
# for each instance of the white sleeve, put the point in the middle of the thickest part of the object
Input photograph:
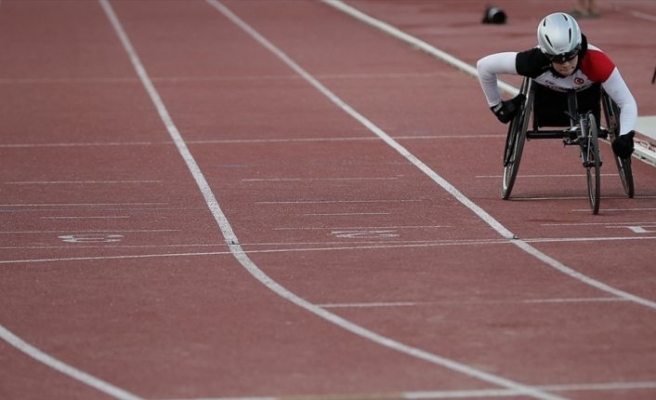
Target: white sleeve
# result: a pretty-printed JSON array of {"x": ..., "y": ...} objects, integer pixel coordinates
[
  {"x": 488, "y": 69},
  {"x": 620, "y": 93}
]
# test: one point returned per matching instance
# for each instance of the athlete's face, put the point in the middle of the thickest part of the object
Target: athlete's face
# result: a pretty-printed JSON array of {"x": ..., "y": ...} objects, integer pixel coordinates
[{"x": 566, "y": 68}]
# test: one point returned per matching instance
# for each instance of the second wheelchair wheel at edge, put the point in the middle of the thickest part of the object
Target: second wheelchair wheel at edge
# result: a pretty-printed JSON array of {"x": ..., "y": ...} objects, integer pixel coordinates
[
  {"x": 626, "y": 175},
  {"x": 612, "y": 115}
]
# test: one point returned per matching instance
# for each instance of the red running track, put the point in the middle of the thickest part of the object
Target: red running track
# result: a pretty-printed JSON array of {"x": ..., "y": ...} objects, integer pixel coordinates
[{"x": 250, "y": 199}]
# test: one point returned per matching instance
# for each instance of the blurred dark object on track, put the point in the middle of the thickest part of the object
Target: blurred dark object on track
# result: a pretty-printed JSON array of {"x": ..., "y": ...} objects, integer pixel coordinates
[{"x": 494, "y": 15}]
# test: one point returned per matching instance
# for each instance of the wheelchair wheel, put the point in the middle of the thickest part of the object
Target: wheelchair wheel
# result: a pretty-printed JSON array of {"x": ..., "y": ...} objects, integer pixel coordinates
[
  {"x": 515, "y": 142},
  {"x": 626, "y": 175},
  {"x": 612, "y": 115},
  {"x": 592, "y": 162}
]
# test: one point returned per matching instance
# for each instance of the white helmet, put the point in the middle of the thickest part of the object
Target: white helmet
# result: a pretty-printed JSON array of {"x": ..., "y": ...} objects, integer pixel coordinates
[{"x": 559, "y": 36}]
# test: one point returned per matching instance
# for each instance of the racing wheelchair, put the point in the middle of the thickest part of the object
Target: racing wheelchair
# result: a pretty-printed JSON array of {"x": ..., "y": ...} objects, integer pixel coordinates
[{"x": 584, "y": 130}]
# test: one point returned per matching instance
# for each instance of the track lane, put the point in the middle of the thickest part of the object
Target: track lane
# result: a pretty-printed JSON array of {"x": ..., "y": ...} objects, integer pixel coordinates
[{"x": 372, "y": 189}]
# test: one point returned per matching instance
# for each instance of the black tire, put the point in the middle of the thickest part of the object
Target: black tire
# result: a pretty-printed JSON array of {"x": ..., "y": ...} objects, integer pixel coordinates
[
  {"x": 515, "y": 139},
  {"x": 612, "y": 115},
  {"x": 626, "y": 175},
  {"x": 592, "y": 162}
]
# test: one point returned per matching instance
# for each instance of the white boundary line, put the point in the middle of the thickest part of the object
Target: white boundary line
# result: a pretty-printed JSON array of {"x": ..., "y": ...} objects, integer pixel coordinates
[
  {"x": 260, "y": 140},
  {"x": 640, "y": 152},
  {"x": 299, "y": 248},
  {"x": 455, "y": 394},
  {"x": 64, "y": 368}
]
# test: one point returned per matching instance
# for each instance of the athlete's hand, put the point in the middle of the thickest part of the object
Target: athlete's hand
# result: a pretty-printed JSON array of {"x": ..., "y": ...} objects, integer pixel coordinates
[
  {"x": 506, "y": 110},
  {"x": 623, "y": 145}
]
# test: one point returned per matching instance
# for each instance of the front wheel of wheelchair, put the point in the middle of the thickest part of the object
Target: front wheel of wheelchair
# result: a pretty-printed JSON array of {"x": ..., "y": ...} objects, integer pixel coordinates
[
  {"x": 612, "y": 114},
  {"x": 515, "y": 139},
  {"x": 512, "y": 156},
  {"x": 592, "y": 162}
]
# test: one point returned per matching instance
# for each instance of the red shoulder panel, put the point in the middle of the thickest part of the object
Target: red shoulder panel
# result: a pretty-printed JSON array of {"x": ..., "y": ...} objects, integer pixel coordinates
[{"x": 597, "y": 66}]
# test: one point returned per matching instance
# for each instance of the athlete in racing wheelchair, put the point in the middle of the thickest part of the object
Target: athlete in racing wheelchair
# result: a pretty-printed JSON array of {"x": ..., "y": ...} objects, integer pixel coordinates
[{"x": 562, "y": 61}]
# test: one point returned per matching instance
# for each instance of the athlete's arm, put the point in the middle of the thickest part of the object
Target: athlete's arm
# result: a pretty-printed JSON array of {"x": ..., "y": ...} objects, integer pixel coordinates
[
  {"x": 489, "y": 68},
  {"x": 620, "y": 93}
]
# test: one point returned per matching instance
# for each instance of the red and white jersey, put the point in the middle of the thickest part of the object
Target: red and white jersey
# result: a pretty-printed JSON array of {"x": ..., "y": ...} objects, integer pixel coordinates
[{"x": 594, "y": 66}]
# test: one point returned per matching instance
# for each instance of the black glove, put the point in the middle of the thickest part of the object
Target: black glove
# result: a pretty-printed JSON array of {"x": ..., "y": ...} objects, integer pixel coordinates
[
  {"x": 623, "y": 145},
  {"x": 506, "y": 110}
]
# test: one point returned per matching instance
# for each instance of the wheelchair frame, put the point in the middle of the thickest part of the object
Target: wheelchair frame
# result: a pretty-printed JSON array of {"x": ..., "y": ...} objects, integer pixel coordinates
[{"x": 584, "y": 131}]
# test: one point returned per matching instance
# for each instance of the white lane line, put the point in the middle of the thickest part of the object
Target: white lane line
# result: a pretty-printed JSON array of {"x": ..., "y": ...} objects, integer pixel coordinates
[
  {"x": 88, "y": 231},
  {"x": 298, "y": 248},
  {"x": 114, "y": 246},
  {"x": 587, "y": 239},
  {"x": 434, "y": 303},
  {"x": 84, "y": 205},
  {"x": 574, "y": 300},
  {"x": 320, "y": 179},
  {"x": 452, "y": 394},
  {"x": 341, "y": 201},
  {"x": 344, "y": 214},
  {"x": 64, "y": 368},
  {"x": 254, "y": 141},
  {"x": 94, "y": 144},
  {"x": 323, "y": 228},
  {"x": 288, "y": 248},
  {"x": 13, "y": 81},
  {"x": 344, "y": 139},
  {"x": 373, "y": 305},
  {"x": 122, "y": 257},
  {"x": 78, "y": 182},
  {"x": 90, "y": 217}
]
